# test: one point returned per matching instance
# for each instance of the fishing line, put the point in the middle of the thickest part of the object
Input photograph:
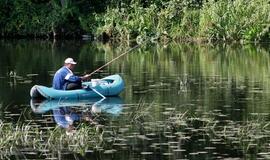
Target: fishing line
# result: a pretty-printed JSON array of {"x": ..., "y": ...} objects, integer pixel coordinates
[{"x": 106, "y": 64}]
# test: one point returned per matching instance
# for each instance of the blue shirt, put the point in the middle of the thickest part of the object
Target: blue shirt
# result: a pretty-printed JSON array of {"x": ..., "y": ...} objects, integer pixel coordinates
[
  {"x": 64, "y": 76},
  {"x": 60, "y": 117}
]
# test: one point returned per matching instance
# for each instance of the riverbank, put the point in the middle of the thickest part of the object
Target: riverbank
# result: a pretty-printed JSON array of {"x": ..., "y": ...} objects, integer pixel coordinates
[{"x": 141, "y": 21}]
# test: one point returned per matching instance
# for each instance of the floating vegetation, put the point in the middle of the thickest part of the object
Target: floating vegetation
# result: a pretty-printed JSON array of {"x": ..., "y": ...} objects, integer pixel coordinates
[
  {"x": 249, "y": 136},
  {"x": 178, "y": 134}
]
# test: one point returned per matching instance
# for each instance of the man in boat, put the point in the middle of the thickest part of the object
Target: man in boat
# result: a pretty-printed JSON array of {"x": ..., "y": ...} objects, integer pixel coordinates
[{"x": 64, "y": 79}]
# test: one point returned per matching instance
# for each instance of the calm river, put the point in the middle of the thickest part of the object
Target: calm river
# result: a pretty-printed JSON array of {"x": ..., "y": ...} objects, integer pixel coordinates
[{"x": 181, "y": 101}]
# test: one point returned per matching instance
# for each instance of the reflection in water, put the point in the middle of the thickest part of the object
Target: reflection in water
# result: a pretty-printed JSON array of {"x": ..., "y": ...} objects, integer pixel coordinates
[
  {"x": 227, "y": 83},
  {"x": 111, "y": 105},
  {"x": 65, "y": 117},
  {"x": 67, "y": 112}
]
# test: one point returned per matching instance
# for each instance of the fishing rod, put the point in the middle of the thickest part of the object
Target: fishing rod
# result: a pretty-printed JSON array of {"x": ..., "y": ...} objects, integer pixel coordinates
[{"x": 106, "y": 64}]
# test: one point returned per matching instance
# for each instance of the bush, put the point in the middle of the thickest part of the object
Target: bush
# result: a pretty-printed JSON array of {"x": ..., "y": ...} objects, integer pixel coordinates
[{"x": 235, "y": 20}]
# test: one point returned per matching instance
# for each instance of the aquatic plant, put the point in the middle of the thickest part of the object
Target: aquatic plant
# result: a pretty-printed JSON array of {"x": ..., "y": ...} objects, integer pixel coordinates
[
  {"x": 16, "y": 137},
  {"x": 141, "y": 112},
  {"x": 250, "y": 136},
  {"x": 139, "y": 125}
]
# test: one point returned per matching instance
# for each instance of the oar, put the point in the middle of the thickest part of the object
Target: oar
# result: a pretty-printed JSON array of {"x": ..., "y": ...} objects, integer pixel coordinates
[
  {"x": 98, "y": 93},
  {"x": 92, "y": 85}
]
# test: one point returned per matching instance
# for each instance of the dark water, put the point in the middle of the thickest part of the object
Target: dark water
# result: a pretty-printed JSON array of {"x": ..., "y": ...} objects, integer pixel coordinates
[{"x": 224, "y": 86}]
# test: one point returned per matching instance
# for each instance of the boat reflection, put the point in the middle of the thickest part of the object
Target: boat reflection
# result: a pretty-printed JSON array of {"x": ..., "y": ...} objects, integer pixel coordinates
[
  {"x": 111, "y": 105},
  {"x": 67, "y": 112}
]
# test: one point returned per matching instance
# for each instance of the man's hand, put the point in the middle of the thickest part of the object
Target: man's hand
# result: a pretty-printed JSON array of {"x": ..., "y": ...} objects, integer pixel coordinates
[{"x": 85, "y": 77}]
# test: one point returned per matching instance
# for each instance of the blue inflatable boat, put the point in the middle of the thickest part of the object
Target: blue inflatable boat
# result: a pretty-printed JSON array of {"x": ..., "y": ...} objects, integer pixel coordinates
[{"x": 108, "y": 86}]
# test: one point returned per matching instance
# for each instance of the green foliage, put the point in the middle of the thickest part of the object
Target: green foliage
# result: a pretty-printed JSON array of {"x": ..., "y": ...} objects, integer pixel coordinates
[
  {"x": 25, "y": 18},
  {"x": 137, "y": 22},
  {"x": 28, "y": 18},
  {"x": 127, "y": 20},
  {"x": 188, "y": 26},
  {"x": 235, "y": 20}
]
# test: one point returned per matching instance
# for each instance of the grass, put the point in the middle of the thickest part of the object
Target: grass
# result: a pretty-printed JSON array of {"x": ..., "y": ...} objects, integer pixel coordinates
[
  {"x": 16, "y": 137},
  {"x": 249, "y": 136}
]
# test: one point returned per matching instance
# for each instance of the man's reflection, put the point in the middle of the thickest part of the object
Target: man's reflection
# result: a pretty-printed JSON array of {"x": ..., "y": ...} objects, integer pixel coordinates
[
  {"x": 70, "y": 113},
  {"x": 65, "y": 117}
]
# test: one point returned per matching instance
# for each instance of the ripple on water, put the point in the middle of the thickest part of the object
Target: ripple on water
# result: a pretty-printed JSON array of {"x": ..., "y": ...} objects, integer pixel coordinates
[
  {"x": 110, "y": 151},
  {"x": 25, "y": 82},
  {"x": 209, "y": 148},
  {"x": 194, "y": 153},
  {"x": 119, "y": 144},
  {"x": 263, "y": 153},
  {"x": 146, "y": 153},
  {"x": 122, "y": 130},
  {"x": 184, "y": 137},
  {"x": 44, "y": 150},
  {"x": 179, "y": 150},
  {"x": 170, "y": 109},
  {"x": 151, "y": 135},
  {"x": 31, "y": 75},
  {"x": 203, "y": 152},
  {"x": 143, "y": 137},
  {"x": 227, "y": 106},
  {"x": 167, "y": 113},
  {"x": 167, "y": 154},
  {"x": 215, "y": 140},
  {"x": 89, "y": 151},
  {"x": 170, "y": 136},
  {"x": 98, "y": 148},
  {"x": 30, "y": 153}
]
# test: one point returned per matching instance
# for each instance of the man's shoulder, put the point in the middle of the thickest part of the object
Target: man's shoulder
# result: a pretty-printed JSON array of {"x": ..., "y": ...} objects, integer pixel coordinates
[{"x": 62, "y": 70}]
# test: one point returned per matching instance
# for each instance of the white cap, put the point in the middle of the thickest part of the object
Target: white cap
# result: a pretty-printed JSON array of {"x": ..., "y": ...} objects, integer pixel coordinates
[{"x": 70, "y": 61}]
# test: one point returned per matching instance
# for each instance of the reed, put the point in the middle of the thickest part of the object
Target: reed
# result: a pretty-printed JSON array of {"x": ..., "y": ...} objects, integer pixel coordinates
[
  {"x": 250, "y": 136},
  {"x": 141, "y": 112},
  {"x": 16, "y": 137}
]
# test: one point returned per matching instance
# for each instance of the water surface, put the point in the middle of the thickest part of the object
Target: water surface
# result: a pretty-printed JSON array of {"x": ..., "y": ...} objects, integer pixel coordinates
[{"x": 227, "y": 84}]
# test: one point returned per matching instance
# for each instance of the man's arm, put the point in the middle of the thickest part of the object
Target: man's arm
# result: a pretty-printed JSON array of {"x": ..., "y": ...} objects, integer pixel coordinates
[{"x": 72, "y": 78}]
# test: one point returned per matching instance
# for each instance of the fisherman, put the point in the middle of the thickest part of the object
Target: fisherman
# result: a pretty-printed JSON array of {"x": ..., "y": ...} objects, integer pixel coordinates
[{"x": 64, "y": 79}]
